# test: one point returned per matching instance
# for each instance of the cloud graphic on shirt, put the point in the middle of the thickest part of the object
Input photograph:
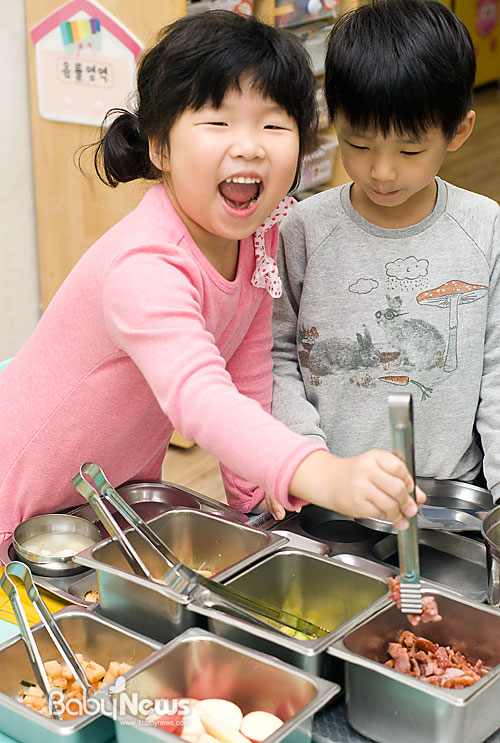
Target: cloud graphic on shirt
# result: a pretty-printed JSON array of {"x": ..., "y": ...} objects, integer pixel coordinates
[
  {"x": 363, "y": 286},
  {"x": 407, "y": 269}
]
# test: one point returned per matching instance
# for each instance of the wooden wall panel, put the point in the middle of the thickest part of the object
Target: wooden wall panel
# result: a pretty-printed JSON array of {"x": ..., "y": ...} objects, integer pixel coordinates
[{"x": 72, "y": 211}]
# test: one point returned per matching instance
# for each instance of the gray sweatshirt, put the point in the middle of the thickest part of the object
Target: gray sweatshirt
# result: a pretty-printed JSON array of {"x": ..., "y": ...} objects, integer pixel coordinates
[{"x": 368, "y": 311}]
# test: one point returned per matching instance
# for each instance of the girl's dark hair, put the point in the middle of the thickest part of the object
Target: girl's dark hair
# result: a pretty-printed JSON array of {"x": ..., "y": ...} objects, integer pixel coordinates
[
  {"x": 400, "y": 65},
  {"x": 195, "y": 62}
]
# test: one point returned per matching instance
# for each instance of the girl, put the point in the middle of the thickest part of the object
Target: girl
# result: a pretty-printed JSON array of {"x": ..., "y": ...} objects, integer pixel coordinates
[{"x": 165, "y": 321}]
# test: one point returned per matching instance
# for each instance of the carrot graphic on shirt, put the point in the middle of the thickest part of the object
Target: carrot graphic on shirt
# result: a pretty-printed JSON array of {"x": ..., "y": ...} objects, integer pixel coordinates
[{"x": 403, "y": 380}]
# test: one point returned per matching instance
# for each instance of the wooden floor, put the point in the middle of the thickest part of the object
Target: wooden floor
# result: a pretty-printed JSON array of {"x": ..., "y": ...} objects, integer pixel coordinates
[
  {"x": 194, "y": 469},
  {"x": 476, "y": 167}
]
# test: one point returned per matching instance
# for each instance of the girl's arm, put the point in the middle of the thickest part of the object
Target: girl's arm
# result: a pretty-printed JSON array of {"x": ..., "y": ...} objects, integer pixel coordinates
[
  {"x": 250, "y": 368},
  {"x": 153, "y": 304}
]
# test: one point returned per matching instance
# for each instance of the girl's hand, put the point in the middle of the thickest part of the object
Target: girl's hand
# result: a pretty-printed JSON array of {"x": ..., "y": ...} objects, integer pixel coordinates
[
  {"x": 375, "y": 484},
  {"x": 275, "y": 508}
]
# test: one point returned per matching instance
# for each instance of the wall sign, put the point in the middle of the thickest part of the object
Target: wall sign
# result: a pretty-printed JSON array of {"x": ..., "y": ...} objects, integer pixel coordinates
[{"x": 85, "y": 63}]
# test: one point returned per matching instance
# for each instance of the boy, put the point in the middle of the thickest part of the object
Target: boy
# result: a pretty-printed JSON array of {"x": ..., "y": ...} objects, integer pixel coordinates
[{"x": 391, "y": 282}]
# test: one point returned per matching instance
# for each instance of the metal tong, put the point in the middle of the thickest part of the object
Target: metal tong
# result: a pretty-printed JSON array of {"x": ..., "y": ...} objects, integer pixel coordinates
[
  {"x": 22, "y": 571},
  {"x": 178, "y": 577},
  {"x": 401, "y": 419}
]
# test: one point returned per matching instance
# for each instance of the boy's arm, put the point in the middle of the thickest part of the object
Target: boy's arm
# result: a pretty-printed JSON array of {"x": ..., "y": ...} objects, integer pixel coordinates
[
  {"x": 290, "y": 403},
  {"x": 488, "y": 412}
]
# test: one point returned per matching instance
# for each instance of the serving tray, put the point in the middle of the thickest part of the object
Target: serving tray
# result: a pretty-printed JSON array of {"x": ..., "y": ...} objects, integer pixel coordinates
[{"x": 149, "y": 499}]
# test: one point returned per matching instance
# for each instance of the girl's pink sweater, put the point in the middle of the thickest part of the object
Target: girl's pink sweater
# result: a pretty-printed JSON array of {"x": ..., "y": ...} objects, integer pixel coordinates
[{"x": 144, "y": 336}]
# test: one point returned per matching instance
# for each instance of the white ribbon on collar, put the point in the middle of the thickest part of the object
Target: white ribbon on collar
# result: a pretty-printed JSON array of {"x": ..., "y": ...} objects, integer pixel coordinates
[{"x": 266, "y": 274}]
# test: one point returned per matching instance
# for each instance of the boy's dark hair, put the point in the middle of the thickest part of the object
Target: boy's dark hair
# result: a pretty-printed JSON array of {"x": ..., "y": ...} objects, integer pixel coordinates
[
  {"x": 400, "y": 65},
  {"x": 195, "y": 62}
]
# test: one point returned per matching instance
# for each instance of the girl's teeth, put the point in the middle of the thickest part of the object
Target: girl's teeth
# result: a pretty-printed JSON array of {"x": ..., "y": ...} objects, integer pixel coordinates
[{"x": 241, "y": 179}]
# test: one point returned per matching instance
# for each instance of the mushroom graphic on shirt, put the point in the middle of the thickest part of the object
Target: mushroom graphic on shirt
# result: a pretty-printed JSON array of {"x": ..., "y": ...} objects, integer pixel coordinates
[{"x": 451, "y": 295}]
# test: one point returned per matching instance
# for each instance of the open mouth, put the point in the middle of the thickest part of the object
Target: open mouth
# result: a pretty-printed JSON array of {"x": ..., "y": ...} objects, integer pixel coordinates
[{"x": 240, "y": 192}]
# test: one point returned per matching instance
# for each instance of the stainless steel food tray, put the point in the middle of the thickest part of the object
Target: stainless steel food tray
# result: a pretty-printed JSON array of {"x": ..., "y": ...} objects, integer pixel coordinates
[
  {"x": 329, "y": 594},
  {"x": 200, "y": 540},
  {"x": 198, "y": 664},
  {"x": 449, "y": 559},
  {"x": 389, "y": 706},
  {"x": 455, "y": 494},
  {"x": 68, "y": 588},
  {"x": 149, "y": 498},
  {"x": 98, "y": 639}
]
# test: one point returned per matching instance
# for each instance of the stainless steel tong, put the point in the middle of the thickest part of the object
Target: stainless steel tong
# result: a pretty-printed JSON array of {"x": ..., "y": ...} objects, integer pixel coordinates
[
  {"x": 401, "y": 419},
  {"x": 92, "y": 483},
  {"x": 229, "y": 600},
  {"x": 21, "y": 571}
]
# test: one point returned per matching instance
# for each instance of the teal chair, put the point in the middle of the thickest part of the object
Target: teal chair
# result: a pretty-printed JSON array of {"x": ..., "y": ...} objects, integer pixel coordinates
[{"x": 4, "y": 363}]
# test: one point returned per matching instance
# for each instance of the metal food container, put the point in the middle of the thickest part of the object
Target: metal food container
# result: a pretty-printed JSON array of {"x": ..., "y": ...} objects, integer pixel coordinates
[
  {"x": 330, "y": 595},
  {"x": 454, "y": 560},
  {"x": 98, "y": 639},
  {"x": 151, "y": 498},
  {"x": 50, "y": 523},
  {"x": 455, "y": 494},
  {"x": 344, "y": 535},
  {"x": 200, "y": 541},
  {"x": 200, "y": 665},
  {"x": 491, "y": 534},
  {"x": 390, "y": 706}
]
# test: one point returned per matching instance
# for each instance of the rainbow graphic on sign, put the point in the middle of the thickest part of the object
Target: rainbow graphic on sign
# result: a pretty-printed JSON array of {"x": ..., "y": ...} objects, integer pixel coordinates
[{"x": 80, "y": 34}]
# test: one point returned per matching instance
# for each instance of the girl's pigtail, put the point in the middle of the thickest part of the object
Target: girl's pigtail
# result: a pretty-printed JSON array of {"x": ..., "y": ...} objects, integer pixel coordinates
[{"x": 122, "y": 153}]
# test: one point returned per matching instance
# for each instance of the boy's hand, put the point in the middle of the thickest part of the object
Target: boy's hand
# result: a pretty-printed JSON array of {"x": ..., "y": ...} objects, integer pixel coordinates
[{"x": 375, "y": 484}]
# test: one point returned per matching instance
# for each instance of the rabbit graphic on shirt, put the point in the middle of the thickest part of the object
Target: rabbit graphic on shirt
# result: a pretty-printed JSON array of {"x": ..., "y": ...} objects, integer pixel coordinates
[
  {"x": 420, "y": 344},
  {"x": 338, "y": 353}
]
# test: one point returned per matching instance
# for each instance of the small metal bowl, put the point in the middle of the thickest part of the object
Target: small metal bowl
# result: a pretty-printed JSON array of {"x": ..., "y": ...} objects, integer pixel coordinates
[{"x": 52, "y": 567}]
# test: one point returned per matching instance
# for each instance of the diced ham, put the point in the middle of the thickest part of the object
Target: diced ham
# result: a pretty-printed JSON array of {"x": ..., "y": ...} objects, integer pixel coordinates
[
  {"x": 402, "y": 662},
  {"x": 430, "y": 612},
  {"x": 433, "y": 663}
]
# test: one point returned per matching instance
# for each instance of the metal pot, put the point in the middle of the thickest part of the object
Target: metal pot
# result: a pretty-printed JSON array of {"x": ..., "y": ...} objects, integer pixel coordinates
[
  {"x": 491, "y": 535},
  {"x": 56, "y": 523},
  {"x": 463, "y": 506}
]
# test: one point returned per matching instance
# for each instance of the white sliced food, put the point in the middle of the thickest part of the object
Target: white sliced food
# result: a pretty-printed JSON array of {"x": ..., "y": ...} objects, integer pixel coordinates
[
  {"x": 259, "y": 725},
  {"x": 221, "y": 730},
  {"x": 224, "y": 710},
  {"x": 206, "y": 738},
  {"x": 191, "y": 724}
]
